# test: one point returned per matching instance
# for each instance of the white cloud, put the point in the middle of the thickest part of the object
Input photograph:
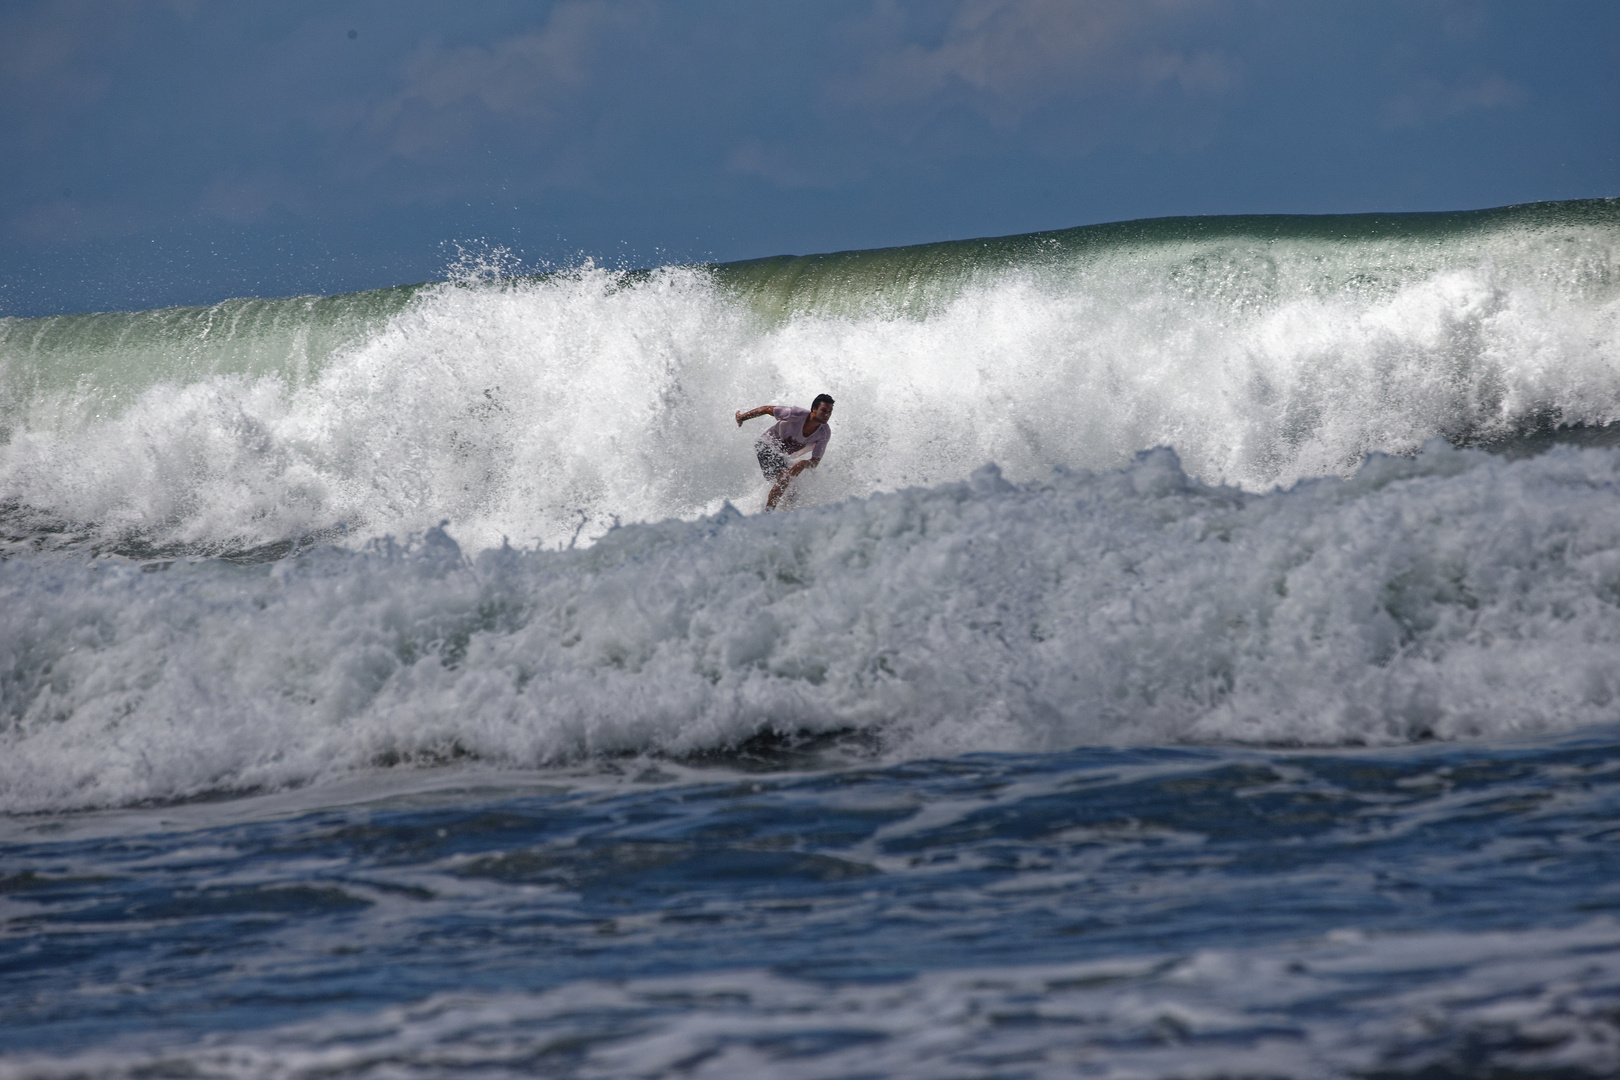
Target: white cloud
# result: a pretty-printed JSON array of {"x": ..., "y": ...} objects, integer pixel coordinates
[
  {"x": 792, "y": 166},
  {"x": 533, "y": 77},
  {"x": 1013, "y": 56},
  {"x": 1432, "y": 101},
  {"x": 1203, "y": 73},
  {"x": 248, "y": 197},
  {"x": 46, "y": 56}
]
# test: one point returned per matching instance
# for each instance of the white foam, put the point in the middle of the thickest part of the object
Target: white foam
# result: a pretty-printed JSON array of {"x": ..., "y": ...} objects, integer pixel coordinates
[
  {"x": 542, "y": 409},
  {"x": 1454, "y": 595}
]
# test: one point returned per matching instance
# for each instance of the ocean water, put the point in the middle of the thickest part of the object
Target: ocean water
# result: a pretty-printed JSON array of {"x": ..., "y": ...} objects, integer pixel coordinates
[{"x": 1197, "y": 656}]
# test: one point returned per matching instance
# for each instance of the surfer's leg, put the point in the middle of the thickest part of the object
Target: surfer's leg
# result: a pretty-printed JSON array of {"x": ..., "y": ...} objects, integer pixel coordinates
[
  {"x": 774, "y": 464},
  {"x": 777, "y": 489}
]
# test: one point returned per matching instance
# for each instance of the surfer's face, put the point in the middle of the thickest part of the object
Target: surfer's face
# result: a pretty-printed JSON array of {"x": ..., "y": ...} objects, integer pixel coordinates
[{"x": 821, "y": 413}]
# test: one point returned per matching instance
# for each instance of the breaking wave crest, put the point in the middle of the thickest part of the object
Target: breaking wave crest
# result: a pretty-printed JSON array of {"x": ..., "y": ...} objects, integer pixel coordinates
[{"x": 1262, "y": 350}]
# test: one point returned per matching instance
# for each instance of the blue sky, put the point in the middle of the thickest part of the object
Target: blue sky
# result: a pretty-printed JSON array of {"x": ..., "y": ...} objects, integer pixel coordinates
[{"x": 186, "y": 151}]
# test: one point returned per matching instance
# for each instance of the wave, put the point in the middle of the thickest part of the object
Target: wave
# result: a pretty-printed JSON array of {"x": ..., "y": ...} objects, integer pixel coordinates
[
  {"x": 1264, "y": 350},
  {"x": 1455, "y": 594}
]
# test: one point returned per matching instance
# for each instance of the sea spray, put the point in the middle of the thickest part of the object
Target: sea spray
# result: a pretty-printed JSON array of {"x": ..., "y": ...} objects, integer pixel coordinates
[{"x": 543, "y": 410}]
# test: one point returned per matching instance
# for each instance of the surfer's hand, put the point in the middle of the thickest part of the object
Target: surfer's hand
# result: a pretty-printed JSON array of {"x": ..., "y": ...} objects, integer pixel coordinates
[{"x": 740, "y": 419}]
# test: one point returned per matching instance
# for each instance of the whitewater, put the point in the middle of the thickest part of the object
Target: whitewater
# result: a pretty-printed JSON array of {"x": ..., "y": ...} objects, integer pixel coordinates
[
  {"x": 1194, "y": 657},
  {"x": 1263, "y": 351}
]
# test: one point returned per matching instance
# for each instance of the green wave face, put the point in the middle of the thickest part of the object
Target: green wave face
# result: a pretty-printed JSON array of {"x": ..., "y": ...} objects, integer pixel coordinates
[
  {"x": 95, "y": 364},
  {"x": 1232, "y": 260},
  {"x": 1264, "y": 350}
]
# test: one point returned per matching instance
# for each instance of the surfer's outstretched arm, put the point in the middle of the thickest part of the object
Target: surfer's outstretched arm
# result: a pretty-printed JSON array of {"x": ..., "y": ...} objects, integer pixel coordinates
[{"x": 763, "y": 410}]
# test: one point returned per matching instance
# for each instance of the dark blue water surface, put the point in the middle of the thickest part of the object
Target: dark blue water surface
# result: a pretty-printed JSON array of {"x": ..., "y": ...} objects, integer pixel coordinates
[{"x": 1473, "y": 876}]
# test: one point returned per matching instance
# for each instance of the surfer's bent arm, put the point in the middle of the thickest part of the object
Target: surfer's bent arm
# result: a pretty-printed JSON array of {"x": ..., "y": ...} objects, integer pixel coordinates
[{"x": 763, "y": 410}]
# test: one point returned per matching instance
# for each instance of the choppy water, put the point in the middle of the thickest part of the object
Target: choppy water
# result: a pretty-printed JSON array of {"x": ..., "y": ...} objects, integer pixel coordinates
[
  {"x": 405, "y": 684},
  {"x": 1432, "y": 912}
]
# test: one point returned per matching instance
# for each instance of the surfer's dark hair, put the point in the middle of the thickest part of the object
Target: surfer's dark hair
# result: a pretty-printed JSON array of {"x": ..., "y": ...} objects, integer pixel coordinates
[{"x": 819, "y": 399}]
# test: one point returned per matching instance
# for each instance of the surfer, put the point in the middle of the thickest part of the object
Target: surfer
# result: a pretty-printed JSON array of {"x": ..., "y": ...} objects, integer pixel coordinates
[{"x": 795, "y": 431}]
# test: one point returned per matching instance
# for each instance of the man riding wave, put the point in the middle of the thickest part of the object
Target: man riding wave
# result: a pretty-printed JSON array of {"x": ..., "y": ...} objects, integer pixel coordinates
[{"x": 796, "y": 430}]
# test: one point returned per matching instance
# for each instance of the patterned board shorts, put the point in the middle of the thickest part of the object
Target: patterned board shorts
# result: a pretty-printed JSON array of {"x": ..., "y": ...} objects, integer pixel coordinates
[{"x": 773, "y": 462}]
